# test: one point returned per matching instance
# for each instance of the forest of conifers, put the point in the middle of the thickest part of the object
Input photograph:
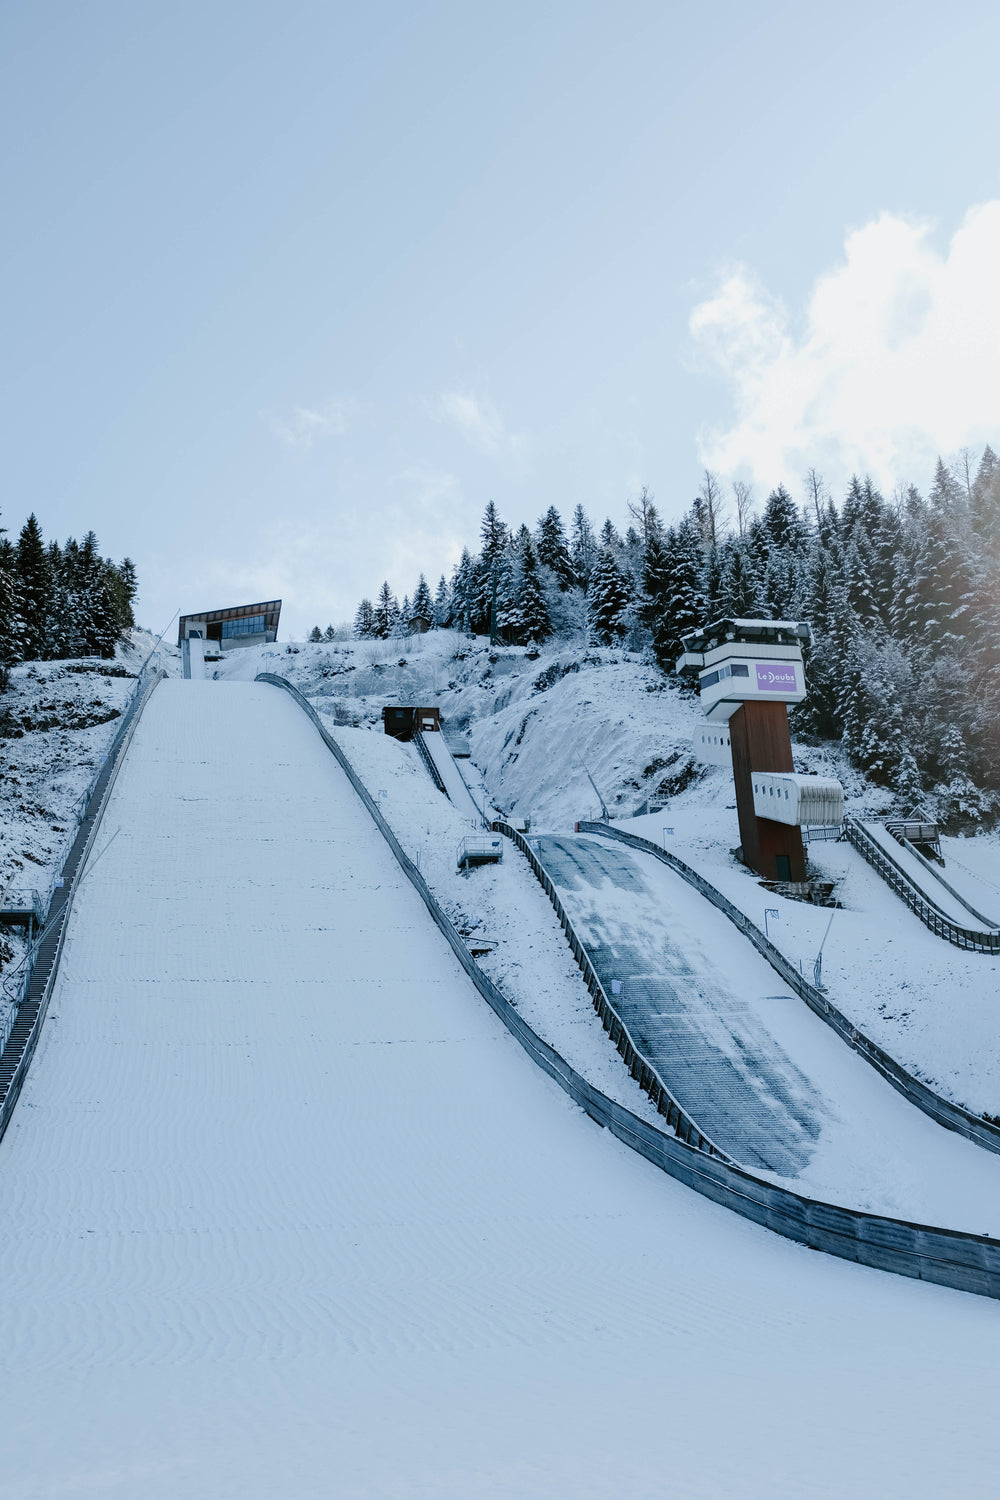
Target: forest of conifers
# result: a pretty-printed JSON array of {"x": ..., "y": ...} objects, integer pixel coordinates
[
  {"x": 58, "y": 602},
  {"x": 903, "y": 595}
]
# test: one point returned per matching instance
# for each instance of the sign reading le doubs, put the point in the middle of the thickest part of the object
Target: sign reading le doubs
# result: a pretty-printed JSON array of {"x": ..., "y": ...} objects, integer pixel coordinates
[{"x": 776, "y": 677}]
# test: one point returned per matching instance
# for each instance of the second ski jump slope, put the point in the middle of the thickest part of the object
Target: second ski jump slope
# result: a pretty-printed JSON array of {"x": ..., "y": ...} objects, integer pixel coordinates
[
  {"x": 287, "y": 1212},
  {"x": 768, "y": 1081}
]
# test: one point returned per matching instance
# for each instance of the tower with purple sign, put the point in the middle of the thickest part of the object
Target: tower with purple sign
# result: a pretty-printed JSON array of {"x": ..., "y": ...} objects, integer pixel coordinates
[{"x": 748, "y": 672}]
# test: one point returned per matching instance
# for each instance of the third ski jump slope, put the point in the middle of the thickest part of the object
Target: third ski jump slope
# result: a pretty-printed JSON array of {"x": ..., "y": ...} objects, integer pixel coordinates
[
  {"x": 451, "y": 775},
  {"x": 287, "y": 1212}
]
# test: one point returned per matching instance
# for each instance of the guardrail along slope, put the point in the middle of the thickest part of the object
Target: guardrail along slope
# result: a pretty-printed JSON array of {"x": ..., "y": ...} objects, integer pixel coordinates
[
  {"x": 952, "y": 1258},
  {"x": 24, "y": 1025},
  {"x": 973, "y": 940},
  {"x": 944, "y": 1111}
]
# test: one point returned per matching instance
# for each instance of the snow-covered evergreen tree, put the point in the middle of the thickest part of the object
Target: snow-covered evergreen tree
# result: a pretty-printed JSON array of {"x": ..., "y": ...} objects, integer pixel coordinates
[
  {"x": 608, "y": 597},
  {"x": 553, "y": 552},
  {"x": 35, "y": 587},
  {"x": 442, "y": 604},
  {"x": 677, "y": 604},
  {"x": 423, "y": 604},
  {"x": 740, "y": 587},
  {"x": 401, "y": 624},
  {"x": 533, "y": 609},
  {"x": 609, "y": 538},
  {"x": 386, "y": 613},
  {"x": 364, "y": 621},
  {"x": 583, "y": 547},
  {"x": 12, "y": 632},
  {"x": 493, "y": 533}
]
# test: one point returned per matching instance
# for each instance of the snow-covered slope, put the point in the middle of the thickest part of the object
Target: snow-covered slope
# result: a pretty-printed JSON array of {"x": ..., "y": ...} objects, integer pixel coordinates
[
  {"x": 537, "y": 725},
  {"x": 288, "y": 1213},
  {"x": 57, "y": 720}
]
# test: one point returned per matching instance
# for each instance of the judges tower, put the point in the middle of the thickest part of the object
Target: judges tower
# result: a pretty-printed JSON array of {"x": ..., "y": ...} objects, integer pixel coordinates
[{"x": 748, "y": 672}]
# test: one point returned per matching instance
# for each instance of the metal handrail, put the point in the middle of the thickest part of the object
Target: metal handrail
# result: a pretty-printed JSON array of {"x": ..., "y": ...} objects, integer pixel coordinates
[
  {"x": 14, "y": 1068},
  {"x": 639, "y": 1066},
  {"x": 968, "y": 938},
  {"x": 428, "y": 760}
]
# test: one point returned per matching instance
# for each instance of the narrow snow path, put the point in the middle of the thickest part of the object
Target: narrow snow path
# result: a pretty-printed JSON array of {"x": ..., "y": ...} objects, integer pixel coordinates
[
  {"x": 766, "y": 1079},
  {"x": 452, "y": 777},
  {"x": 287, "y": 1213}
]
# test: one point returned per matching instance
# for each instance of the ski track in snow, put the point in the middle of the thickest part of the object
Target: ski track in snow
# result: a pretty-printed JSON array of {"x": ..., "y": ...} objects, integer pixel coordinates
[{"x": 288, "y": 1213}]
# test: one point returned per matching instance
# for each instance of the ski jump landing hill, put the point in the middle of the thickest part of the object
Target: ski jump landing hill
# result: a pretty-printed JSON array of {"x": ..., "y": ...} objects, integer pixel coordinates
[{"x": 289, "y": 1210}]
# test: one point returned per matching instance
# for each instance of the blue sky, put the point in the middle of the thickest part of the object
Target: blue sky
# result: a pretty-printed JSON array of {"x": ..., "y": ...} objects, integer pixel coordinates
[{"x": 290, "y": 290}]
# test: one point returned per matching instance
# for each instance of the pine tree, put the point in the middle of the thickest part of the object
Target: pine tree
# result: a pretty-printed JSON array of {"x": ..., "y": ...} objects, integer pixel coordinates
[
  {"x": 423, "y": 604},
  {"x": 609, "y": 538},
  {"x": 442, "y": 605},
  {"x": 122, "y": 586},
  {"x": 504, "y": 609},
  {"x": 680, "y": 603},
  {"x": 330, "y": 633},
  {"x": 463, "y": 591},
  {"x": 656, "y": 572},
  {"x": 11, "y": 619},
  {"x": 781, "y": 521},
  {"x": 534, "y": 612},
  {"x": 858, "y": 570},
  {"x": 401, "y": 624},
  {"x": 741, "y": 591},
  {"x": 583, "y": 548},
  {"x": 386, "y": 613},
  {"x": 783, "y": 583},
  {"x": 712, "y": 590},
  {"x": 364, "y": 621},
  {"x": 984, "y": 504},
  {"x": 553, "y": 552},
  {"x": 35, "y": 588},
  {"x": 493, "y": 533},
  {"x": 315, "y": 635},
  {"x": 608, "y": 598}
]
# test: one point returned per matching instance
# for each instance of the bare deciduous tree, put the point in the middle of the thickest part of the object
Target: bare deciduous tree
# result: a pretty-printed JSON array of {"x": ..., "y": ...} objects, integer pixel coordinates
[
  {"x": 644, "y": 514},
  {"x": 710, "y": 508},
  {"x": 817, "y": 492},
  {"x": 743, "y": 500}
]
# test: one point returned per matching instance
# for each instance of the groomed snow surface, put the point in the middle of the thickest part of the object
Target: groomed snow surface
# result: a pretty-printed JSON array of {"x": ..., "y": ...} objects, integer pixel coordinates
[
  {"x": 287, "y": 1213},
  {"x": 534, "y": 724}
]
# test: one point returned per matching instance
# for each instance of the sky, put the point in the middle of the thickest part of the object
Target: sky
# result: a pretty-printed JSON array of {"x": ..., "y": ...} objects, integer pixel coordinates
[{"x": 290, "y": 290}]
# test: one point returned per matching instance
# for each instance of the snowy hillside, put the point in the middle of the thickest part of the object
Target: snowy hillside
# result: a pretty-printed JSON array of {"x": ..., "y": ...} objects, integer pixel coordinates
[
  {"x": 537, "y": 724},
  {"x": 56, "y": 721},
  {"x": 534, "y": 722}
]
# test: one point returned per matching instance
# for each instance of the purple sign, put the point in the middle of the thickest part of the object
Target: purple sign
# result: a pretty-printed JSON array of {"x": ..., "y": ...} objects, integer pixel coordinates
[{"x": 776, "y": 677}]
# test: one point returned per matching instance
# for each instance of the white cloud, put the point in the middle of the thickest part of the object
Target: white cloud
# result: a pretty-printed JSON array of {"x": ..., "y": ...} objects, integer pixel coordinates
[
  {"x": 897, "y": 358},
  {"x": 478, "y": 421},
  {"x": 332, "y": 420}
]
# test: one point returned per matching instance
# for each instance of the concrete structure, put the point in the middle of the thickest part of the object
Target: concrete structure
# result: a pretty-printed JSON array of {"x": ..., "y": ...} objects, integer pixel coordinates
[
  {"x": 748, "y": 672},
  {"x": 801, "y": 801},
  {"x": 228, "y": 629},
  {"x": 710, "y": 745}
]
